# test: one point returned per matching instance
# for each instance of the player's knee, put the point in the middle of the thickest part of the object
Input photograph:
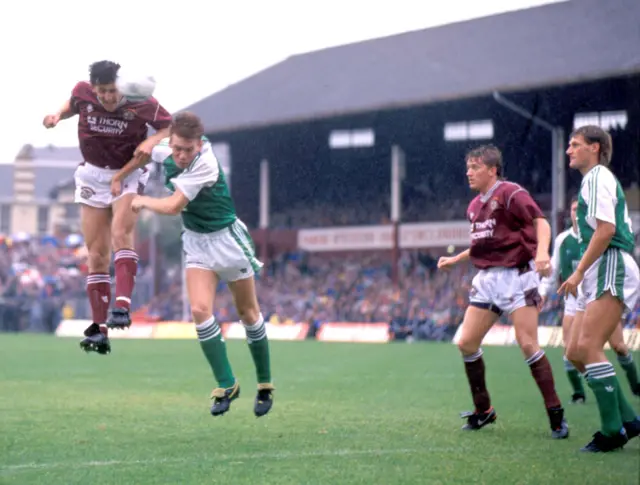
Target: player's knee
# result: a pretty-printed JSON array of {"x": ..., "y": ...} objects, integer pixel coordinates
[
  {"x": 98, "y": 261},
  {"x": 584, "y": 349},
  {"x": 572, "y": 354},
  {"x": 529, "y": 347},
  {"x": 468, "y": 346},
  {"x": 620, "y": 348},
  {"x": 121, "y": 238},
  {"x": 249, "y": 315},
  {"x": 200, "y": 312},
  {"x": 527, "y": 338}
]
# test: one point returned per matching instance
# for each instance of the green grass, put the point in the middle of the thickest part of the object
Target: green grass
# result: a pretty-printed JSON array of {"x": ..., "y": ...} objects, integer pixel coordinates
[{"x": 344, "y": 414}]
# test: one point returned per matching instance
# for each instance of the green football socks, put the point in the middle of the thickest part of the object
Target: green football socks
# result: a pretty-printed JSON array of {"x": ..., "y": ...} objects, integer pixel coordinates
[
  {"x": 604, "y": 384},
  {"x": 259, "y": 348},
  {"x": 630, "y": 369},
  {"x": 574, "y": 377},
  {"x": 215, "y": 350}
]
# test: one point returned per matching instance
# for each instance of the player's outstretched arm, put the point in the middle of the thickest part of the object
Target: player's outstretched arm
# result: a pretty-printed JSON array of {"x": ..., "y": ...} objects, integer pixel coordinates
[
  {"x": 168, "y": 206},
  {"x": 187, "y": 187},
  {"x": 445, "y": 262},
  {"x": 66, "y": 111}
]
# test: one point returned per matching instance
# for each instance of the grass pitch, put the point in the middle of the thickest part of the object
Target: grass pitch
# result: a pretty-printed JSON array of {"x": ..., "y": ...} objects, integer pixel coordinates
[{"x": 343, "y": 414}]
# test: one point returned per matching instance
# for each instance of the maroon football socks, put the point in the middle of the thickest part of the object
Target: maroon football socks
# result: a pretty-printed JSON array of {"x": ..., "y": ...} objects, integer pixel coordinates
[
  {"x": 126, "y": 267},
  {"x": 543, "y": 375},
  {"x": 99, "y": 293},
  {"x": 474, "y": 367}
]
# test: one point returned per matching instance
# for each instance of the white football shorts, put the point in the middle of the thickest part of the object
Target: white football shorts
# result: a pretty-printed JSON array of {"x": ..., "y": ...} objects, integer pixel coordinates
[
  {"x": 504, "y": 290},
  {"x": 228, "y": 252},
  {"x": 93, "y": 185}
]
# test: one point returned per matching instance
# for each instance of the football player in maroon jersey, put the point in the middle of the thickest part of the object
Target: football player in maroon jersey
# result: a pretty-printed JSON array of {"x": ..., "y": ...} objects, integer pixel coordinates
[
  {"x": 510, "y": 241},
  {"x": 112, "y": 130}
]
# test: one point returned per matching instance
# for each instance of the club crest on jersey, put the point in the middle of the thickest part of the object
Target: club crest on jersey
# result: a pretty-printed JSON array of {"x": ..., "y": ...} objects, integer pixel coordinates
[
  {"x": 87, "y": 192},
  {"x": 128, "y": 115},
  {"x": 90, "y": 108},
  {"x": 493, "y": 205}
]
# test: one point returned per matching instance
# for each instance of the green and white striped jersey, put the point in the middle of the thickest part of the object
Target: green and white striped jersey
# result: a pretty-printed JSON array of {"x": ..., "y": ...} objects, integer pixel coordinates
[
  {"x": 601, "y": 198},
  {"x": 210, "y": 206}
]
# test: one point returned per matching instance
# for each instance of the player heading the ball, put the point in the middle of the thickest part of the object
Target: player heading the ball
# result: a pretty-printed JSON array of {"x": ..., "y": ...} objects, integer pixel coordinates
[{"x": 112, "y": 131}]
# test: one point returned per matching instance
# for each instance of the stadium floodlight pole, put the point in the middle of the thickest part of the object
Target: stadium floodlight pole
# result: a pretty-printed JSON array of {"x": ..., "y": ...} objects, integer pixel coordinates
[
  {"x": 397, "y": 176},
  {"x": 557, "y": 158},
  {"x": 264, "y": 209},
  {"x": 264, "y": 194}
]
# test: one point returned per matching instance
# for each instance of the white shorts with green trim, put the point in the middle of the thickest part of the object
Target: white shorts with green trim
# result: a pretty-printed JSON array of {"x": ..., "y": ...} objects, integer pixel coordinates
[
  {"x": 616, "y": 272},
  {"x": 229, "y": 252}
]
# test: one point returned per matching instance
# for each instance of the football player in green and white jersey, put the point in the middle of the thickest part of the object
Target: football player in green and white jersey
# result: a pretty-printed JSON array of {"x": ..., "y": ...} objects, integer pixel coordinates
[
  {"x": 217, "y": 246},
  {"x": 566, "y": 256},
  {"x": 606, "y": 282}
]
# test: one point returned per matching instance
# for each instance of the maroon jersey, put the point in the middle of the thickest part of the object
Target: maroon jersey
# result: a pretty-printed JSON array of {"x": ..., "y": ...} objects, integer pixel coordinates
[
  {"x": 502, "y": 230},
  {"x": 108, "y": 139}
]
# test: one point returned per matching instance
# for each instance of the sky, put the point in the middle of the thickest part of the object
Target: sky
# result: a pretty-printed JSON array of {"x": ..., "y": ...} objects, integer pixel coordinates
[{"x": 192, "y": 48}]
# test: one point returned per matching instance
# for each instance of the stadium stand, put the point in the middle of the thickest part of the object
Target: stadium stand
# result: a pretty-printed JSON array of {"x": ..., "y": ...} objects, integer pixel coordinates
[{"x": 42, "y": 282}]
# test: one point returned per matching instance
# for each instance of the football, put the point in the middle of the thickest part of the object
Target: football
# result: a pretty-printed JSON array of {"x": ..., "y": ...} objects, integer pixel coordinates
[{"x": 135, "y": 86}]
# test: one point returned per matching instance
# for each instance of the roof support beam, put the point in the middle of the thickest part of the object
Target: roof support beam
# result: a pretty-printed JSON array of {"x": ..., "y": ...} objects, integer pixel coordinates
[{"x": 558, "y": 184}]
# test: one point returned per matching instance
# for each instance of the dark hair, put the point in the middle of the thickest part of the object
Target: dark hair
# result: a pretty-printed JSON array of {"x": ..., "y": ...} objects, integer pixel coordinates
[
  {"x": 490, "y": 155},
  {"x": 594, "y": 134},
  {"x": 574, "y": 199},
  {"x": 187, "y": 125},
  {"x": 103, "y": 72}
]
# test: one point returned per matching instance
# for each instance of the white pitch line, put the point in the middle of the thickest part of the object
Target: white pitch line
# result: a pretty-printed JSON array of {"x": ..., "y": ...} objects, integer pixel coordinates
[{"x": 284, "y": 455}]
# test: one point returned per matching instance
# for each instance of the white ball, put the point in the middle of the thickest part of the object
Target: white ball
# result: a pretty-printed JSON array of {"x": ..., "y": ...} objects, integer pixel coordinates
[{"x": 135, "y": 86}]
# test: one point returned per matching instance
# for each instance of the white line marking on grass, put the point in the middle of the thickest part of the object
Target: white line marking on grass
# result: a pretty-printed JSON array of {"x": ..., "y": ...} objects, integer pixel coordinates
[{"x": 283, "y": 455}]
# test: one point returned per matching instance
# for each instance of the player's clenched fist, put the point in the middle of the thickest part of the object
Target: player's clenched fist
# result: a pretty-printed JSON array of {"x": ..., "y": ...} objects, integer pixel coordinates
[
  {"x": 50, "y": 121},
  {"x": 137, "y": 204}
]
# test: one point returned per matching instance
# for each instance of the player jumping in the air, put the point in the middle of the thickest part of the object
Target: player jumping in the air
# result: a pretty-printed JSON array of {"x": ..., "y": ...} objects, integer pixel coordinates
[
  {"x": 565, "y": 259},
  {"x": 217, "y": 247},
  {"x": 606, "y": 283},
  {"x": 510, "y": 241},
  {"x": 111, "y": 132}
]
